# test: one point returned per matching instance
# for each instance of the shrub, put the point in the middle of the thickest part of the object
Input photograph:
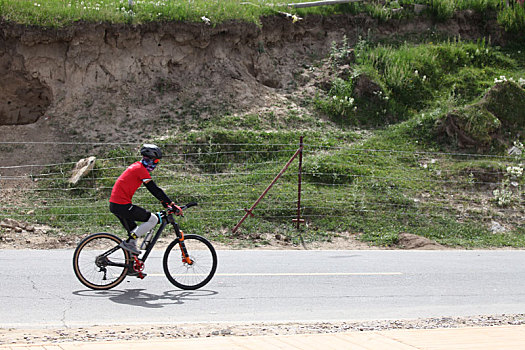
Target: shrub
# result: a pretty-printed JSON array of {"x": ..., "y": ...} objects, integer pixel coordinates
[
  {"x": 506, "y": 100},
  {"x": 442, "y": 9},
  {"x": 479, "y": 124},
  {"x": 472, "y": 126}
]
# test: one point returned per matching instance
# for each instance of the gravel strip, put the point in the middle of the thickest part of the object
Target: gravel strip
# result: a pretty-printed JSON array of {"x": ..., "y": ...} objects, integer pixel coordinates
[{"x": 146, "y": 332}]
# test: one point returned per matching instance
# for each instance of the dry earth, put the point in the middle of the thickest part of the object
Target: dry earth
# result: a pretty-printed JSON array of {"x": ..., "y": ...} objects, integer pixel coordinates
[
  {"x": 145, "y": 332},
  {"x": 20, "y": 235}
]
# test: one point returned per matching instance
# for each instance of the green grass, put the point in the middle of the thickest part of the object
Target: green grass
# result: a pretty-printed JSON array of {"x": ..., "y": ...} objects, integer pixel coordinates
[
  {"x": 385, "y": 185},
  {"x": 58, "y": 13},
  {"x": 409, "y": 78}
]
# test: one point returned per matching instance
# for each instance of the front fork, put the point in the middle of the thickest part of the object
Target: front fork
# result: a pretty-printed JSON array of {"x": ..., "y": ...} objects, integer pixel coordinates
[{"x": 185, "y": 256}]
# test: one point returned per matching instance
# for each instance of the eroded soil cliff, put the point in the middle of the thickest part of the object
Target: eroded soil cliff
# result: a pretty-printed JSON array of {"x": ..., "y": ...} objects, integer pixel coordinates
[{"x": 123, "y": 83}]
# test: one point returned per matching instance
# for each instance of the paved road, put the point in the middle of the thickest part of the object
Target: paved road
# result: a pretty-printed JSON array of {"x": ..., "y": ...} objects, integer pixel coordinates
[{"x": 39, "y": 288}]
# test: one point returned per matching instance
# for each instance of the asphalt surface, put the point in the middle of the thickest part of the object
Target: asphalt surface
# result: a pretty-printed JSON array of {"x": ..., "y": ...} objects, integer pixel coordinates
[{"x": 39, "y": 288}]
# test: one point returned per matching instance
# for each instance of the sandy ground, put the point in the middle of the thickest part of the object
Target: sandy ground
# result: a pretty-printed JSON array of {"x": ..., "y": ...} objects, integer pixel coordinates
[{"x": 145, "y": 332}]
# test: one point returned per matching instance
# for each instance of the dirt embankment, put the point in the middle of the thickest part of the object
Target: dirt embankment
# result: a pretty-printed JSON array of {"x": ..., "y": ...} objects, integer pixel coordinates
[{"x": 119, "y": 83}]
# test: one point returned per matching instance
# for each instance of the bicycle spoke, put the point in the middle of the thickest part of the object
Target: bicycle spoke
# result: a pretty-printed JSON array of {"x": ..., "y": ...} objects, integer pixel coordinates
[
  {"x": 93, "y": 258},
  {"x": 196, "y": 274}
]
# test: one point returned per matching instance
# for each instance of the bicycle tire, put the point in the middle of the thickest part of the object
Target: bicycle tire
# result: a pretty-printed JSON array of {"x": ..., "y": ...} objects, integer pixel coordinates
[
  {"x": 190, "y": 276},
  {"x": 92, "y": 269}
]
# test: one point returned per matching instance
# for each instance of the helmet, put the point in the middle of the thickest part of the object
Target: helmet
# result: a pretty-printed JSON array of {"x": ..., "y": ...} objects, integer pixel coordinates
[{"x": 151, "y": 151}]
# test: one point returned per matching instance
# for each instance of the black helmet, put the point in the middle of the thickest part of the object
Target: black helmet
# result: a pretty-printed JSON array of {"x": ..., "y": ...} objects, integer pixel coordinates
[{"x": 151, "y": 151}]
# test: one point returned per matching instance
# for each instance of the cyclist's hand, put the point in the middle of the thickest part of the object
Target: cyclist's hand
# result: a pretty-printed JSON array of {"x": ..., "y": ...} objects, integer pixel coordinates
[{"x": 176, "y": 209}]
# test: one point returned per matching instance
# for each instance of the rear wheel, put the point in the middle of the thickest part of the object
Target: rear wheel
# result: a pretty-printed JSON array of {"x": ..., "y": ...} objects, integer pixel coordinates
[
  {"x": 192, "y": 273},
  {"x": 99, "y": 262}
]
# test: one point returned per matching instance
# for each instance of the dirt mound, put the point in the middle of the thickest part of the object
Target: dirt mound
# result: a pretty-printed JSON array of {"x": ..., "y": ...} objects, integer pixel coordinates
[
  {"x": 411, "y": 241},
  {"x": 481, "y": 125},
  {"x": 16, "y": 234}
]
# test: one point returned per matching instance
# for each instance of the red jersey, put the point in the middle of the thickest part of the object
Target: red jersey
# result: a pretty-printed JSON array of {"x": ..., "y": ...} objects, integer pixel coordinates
[{"x": 128, "y": 183}]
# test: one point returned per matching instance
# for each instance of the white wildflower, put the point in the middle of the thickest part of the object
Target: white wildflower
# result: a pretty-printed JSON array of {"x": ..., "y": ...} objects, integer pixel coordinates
[
  {"x": 501, "y": 79},
  {"x": 515, "y": 171}
]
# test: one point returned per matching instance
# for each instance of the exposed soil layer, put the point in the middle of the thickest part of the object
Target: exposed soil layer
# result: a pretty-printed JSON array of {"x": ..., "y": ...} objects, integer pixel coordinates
[{"x": 127, "y": 83}]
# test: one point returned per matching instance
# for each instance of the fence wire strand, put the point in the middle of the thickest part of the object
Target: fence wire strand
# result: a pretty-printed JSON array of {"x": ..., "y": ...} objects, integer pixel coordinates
[{"x": 338, "y": 182}]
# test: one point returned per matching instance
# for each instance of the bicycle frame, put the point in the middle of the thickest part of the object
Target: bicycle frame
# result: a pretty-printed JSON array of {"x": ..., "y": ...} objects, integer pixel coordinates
[{"x": 165, "y": 219}]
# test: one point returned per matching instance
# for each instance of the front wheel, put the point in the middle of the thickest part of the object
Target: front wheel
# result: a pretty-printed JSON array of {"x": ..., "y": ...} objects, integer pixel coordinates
[
  {"x": 99, "y": 262},
  {"x": 190, "y": 264}
]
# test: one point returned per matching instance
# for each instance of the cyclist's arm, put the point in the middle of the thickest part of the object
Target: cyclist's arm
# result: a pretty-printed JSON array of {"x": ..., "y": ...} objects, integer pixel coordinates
[{"x": 157, "y": 192}]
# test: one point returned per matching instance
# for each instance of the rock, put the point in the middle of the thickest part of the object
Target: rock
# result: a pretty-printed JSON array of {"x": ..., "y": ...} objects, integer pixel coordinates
[
  {"x": 9, "y": 223},
  {"x": 496, "y": 227},
  {"x": 411, "y": 241},
  {"x": 4, "y": 224},
  {"x": 82, "y": 168},
  {"x": 514, "y": 151},
  {"x": 226, "y": 331},
  {"x": 419, "y": 8},
  {"x": 344, "y": 72}
]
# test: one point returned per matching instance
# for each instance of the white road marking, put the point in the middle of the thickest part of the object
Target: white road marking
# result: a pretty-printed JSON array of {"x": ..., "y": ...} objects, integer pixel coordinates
[{"x": 270, "y": 274}]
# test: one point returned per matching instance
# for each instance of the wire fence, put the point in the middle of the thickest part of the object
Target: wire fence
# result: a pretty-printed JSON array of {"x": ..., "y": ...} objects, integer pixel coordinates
[{"x": 344, "y": 188}]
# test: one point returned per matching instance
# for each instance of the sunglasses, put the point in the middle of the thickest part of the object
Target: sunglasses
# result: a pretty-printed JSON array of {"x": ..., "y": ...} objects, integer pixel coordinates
[{"x": 155, "y": 161}]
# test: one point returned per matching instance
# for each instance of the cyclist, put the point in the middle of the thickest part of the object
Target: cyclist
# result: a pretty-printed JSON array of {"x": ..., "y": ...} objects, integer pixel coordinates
[{"x": 125, "y": 187}]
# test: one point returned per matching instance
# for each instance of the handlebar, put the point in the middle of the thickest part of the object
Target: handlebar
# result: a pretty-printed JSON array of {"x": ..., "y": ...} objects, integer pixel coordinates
[
  {"x": 184, "y": 207},
  {"x": 189, "y": 205}
]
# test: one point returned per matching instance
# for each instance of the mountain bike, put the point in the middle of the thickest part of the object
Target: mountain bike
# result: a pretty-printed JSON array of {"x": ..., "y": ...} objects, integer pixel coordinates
[{"x": 189, "y": 261}]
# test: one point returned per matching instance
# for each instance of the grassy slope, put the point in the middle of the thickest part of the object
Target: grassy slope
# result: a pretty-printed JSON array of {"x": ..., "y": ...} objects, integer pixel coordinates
[{"x": 402, "y": 178}]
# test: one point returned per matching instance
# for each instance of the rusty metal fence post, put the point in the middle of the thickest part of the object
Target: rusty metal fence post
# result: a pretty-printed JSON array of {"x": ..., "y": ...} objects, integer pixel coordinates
[
  {"x": 299, "y": 153},
  {"x": 299, "y": 220}
]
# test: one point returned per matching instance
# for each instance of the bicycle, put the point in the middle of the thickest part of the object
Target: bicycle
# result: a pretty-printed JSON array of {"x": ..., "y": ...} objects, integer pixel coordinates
[{"x": 100, "y": 263}]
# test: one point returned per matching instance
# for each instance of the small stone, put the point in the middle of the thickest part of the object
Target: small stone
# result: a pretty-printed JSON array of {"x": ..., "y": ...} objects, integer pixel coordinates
[
  {"x": 496, "y": 227},
  {"x": 226, "y": 332}
]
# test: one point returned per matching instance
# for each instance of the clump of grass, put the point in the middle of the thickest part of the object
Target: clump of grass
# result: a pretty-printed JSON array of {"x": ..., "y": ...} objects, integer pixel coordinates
[
  {"x": 390, "y": 83},
  {"x": 58, "y": 13},
  {"x": 483, "y": 125},
  {"x": 442, "y": 9},
  {"x": 512, "y": 18}
]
